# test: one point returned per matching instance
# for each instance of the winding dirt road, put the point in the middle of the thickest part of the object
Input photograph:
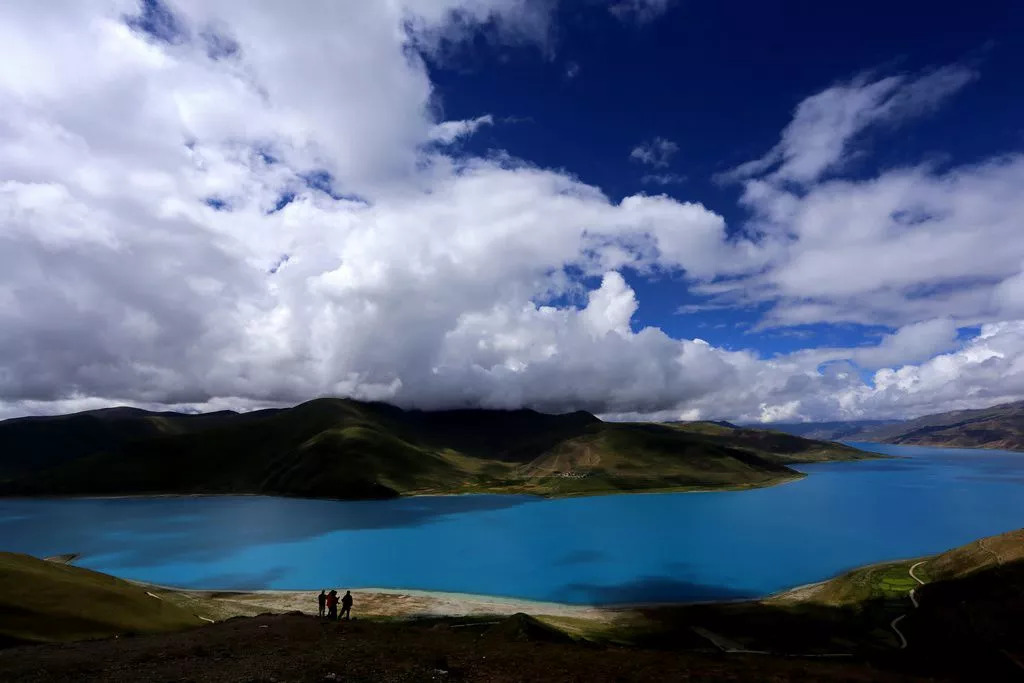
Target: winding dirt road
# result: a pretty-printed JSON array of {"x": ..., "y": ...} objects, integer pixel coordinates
[{"x": 913, "y": 600}]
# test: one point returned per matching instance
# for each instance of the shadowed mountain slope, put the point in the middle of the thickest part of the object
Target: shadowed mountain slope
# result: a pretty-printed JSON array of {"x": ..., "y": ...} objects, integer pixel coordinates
[
  {"x": 340, "y": 448},
  {"x": 999, "y": 427}
]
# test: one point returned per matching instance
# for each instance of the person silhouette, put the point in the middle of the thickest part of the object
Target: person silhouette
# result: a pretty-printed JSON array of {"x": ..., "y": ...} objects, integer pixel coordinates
[
  {"x": 322, "y": 601},
  {"x": 346, "y": 605},
  {"x": 332, "y": 605}
]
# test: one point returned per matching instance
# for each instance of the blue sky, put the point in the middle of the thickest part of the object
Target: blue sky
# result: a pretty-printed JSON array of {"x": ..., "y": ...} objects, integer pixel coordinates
[
  {"x": 719, "y": 81},
  {"x": 650, "y": 209}
]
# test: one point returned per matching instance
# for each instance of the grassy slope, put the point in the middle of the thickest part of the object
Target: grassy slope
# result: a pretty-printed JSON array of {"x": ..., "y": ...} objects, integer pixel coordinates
[
  {"x": 48, "y": 601},
  {"x": 347, "y": 449},
  {"x": 625, "y": 456},
  {"x": 891, "y": 580}
]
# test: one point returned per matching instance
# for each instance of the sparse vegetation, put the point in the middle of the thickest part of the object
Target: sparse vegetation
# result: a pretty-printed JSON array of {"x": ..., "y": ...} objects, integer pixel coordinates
[{"x": 50, "y": 601}]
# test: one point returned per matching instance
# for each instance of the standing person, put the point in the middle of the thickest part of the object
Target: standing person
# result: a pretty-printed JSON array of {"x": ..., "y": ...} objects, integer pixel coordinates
[
  {"x": 322, "y": 601},
  {"x": 332, "y": 605},
  {"x": 346, "y": 605}
]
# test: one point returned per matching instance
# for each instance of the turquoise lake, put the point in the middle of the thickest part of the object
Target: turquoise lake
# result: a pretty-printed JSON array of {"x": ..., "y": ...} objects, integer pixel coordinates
[{"x": 597, "y": 550}]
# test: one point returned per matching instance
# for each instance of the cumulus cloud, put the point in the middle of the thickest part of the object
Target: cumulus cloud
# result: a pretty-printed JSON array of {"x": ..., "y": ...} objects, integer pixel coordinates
[
  {"x": 911, "y": 244},
  {"x": 267, "y": 224},
  {"x": 215, "y": 205},
  {"x": 657, "y": 152}
]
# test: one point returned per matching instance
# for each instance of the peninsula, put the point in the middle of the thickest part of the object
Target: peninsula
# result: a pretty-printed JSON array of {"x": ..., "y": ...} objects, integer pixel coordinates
[{"x": 346, "y": 449}]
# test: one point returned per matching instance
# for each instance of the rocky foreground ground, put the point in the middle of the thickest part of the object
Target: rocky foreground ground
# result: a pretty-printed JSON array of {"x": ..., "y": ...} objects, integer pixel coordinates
[{"x": 299, "y": 648}]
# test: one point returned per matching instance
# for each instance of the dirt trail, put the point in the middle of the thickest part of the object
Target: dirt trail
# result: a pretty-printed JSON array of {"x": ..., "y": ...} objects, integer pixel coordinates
[{"x": 913, "y": 599}]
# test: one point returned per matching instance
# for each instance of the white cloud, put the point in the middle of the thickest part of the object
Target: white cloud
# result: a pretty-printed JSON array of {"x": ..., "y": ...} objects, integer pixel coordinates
[
  {"x": 1008, "y": 295},
  {"x": 444, "y": 27},
  {"x": 657, "y": 152},
  {"x": 909, "y": 245},
  {"x": 824, "y": 125},
  {"x": 988, "y": 370},
  {"x": 268, "y": 221},
  {"x": 150, "y": 254},
  {"x": 910, "y": 344},
  {"x": 448, "y": 132},
  {"x": 639, "y": 11},
  {"x": 913, "y": 343}
]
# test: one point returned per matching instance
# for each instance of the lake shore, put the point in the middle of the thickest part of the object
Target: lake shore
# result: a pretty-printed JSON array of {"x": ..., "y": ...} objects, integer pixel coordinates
[
  {"x": 776, "y": 481},
  {"x": 395, "y": 603}
]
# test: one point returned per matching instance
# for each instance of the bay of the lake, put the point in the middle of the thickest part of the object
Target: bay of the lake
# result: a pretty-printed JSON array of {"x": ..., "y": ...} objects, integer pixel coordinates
[{"x": 597, "y": 550}]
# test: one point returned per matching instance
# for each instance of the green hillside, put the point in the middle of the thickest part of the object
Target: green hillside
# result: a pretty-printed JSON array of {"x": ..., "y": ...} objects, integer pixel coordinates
[
  {"x": 338, "y": 448},
  {"x": 892, "y": 579},
  {"x": 48, "y": 601}
]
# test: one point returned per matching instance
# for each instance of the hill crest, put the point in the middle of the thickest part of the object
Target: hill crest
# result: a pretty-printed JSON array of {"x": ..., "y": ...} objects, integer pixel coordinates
[{"x": 341, "y": 448}]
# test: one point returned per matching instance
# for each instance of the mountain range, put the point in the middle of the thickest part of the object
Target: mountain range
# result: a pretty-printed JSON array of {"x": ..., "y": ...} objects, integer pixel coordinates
[
  {"x": 1000, "y": 426},
  {"x": 340, "y": 448}
]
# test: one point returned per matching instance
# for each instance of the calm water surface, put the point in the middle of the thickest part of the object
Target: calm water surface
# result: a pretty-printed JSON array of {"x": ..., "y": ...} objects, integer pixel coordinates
[{"x": 604, "y": 549}]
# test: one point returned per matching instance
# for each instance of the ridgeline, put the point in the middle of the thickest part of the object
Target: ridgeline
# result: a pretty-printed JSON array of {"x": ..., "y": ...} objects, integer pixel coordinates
[
  {"x": 345, "y": 449},
  {"x": 1000, "y": 427}
]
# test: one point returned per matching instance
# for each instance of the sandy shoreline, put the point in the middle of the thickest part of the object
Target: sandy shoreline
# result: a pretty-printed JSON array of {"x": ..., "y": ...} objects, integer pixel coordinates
[
  {"x": 371, "y": 601},
  {"x": 388, "y": 602},
  {"x": 412, "y": 603}
]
